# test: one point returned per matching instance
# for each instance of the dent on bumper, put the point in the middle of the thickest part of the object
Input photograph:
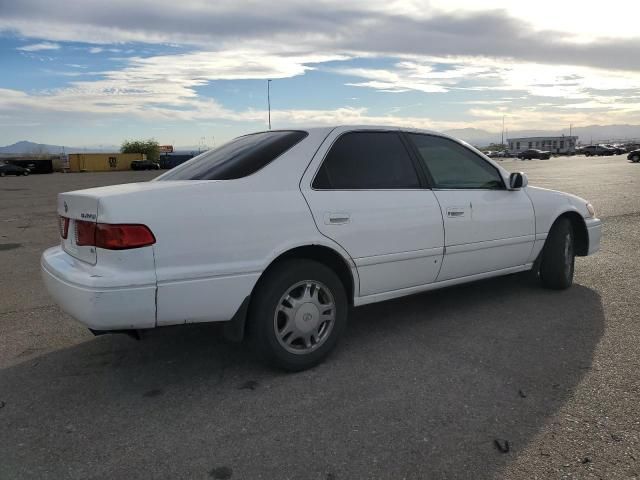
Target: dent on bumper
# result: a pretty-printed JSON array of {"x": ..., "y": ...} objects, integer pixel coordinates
[
  {"x": 99, "y": 308},
  {"x": 594, "y": 229}
]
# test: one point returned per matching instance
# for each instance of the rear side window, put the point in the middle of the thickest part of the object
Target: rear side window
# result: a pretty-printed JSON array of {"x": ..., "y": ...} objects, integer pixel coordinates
[
  {"x": 238, "y": 158},
  {"x": 365, "y": 161}
]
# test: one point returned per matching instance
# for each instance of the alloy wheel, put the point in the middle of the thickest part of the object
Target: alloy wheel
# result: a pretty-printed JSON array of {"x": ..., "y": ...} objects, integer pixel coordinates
[{"x": 304, "y": 317}]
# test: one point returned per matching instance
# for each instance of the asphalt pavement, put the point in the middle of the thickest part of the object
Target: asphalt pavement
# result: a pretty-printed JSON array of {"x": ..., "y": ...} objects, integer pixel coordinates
[{"x": 495, "y": 379}]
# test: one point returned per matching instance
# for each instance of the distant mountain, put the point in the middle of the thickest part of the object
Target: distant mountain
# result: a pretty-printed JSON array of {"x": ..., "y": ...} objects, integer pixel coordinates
[
  {"x": 26, "y": 147},
  {"x": 586, "y": 135}
]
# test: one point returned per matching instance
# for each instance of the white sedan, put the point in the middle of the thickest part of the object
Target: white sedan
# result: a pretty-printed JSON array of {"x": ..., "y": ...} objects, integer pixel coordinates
[{"x": 280, "y": 232}]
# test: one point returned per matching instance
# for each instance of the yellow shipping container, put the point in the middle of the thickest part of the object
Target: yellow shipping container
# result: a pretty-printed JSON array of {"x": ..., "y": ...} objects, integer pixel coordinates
[{"x": 102, "y": 162}]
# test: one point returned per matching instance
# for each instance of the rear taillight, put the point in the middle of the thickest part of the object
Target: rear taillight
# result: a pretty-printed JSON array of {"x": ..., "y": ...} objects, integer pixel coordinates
[
  {"x": 63, "y": 224},
  {"x": 85, "y": 233},
  {"x": 112, "y": 236},
  {"x": 120, "y": 237}
]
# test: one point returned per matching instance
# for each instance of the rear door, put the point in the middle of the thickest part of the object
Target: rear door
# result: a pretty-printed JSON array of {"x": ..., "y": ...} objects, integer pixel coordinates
[
  {"x": 487, "y": 227},
  {"x": 366, "y": 193}
]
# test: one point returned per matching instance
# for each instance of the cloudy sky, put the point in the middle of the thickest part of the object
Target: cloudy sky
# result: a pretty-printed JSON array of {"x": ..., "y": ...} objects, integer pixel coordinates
[{"x": 86, "y": 72}]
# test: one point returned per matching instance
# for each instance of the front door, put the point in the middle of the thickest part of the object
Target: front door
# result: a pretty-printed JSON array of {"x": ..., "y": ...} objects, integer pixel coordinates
[
  {"x": 365, "y": 192},
  {"x": 487, "y": 227}
]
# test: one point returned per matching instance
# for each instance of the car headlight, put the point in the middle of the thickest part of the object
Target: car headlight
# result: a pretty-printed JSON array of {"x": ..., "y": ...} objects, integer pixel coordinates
[{"x": 591, "y": 210}]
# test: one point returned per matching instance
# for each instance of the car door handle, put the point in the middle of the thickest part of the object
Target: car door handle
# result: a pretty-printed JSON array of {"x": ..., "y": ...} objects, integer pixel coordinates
[
  {"x": 455, "y": 212},
  {"x": 336, "y": 218}
]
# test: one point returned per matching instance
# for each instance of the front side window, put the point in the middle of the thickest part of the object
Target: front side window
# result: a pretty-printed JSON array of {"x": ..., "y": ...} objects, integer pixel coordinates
[
  {"x": 454, "y": 166},
  {"x": 366, "y": 161},
  {"x": 238, "y": 158}
]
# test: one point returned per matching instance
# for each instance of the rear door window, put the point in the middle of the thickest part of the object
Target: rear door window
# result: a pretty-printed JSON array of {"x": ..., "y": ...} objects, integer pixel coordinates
[
  {"x": 238, "y": 158},
  {"x": 366, "y": 161}
]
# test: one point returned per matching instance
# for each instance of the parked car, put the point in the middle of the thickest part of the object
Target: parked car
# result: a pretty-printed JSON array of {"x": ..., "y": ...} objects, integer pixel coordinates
[
  {"x": 631, "y": 147},
  {"x": 597, "y": 150},
  {"x": 144, "y": 165},
  {"x": 634, "y": 156},
  {"x": 534, "y": 153},
  {"x": 495, "y": 154},
  {"x": 617, "y": 149},
  {"x": 279, "y": 233},
  {"x": 8, "y": 169}
]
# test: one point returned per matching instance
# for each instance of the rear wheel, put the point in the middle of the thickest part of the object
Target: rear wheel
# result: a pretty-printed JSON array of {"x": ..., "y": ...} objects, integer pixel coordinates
[
  {"x": 25, "y": 173},
  {"x": 635, "y": 158},
  {"x": 297, "y": 314},
  {"x": 2, "y": 174},
  {"x": 558, "y": 256}
]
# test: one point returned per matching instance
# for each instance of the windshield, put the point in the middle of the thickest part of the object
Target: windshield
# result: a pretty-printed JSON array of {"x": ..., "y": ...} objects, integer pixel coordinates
[{"x": 238, "y": 158}]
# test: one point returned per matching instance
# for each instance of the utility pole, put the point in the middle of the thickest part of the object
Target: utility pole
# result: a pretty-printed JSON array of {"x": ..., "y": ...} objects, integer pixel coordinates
[
  {"x": 502, "y": 140},
  {"x": 269, "y": 101}
]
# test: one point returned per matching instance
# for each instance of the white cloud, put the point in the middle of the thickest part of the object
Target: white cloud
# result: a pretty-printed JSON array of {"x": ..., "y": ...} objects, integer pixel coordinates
[
  {"x": 37, "y": 47},
  {"x": 445, "y": 74},
  {"x": 415, "y": 75},
  {"x": 498, "y": 50},
  {"x": 613, "y": 18},
  {"x": 554, "y": 32},
  {"x": 163, "y": 87}
]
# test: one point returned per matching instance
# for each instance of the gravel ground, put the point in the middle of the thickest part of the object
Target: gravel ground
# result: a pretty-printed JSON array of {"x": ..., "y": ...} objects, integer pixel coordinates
[{"x": 421, "y": 387}]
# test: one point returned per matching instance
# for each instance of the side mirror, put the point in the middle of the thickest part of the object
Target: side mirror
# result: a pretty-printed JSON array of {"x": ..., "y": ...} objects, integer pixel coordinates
[{"x": 518, "y": 180}]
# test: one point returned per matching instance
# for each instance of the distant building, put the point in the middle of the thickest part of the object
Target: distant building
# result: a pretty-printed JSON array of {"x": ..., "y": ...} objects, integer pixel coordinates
[
  {"x": 102, "y": 162},
  {"x": 563, "y": 144}
]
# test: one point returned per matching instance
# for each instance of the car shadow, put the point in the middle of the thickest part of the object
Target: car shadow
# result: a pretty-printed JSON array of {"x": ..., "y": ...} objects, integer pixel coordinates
[{"x": 420, "y": 387}]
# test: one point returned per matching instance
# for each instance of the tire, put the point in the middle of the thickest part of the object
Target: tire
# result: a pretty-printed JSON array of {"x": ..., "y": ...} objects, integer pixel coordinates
[
  {"x": 278, "y": 305},
  {"x": 635, "y": 158},
  {"x": 558, "y": 256},
  {"x": 25, "y": 173},
  {"x": 2, "y": 174}
]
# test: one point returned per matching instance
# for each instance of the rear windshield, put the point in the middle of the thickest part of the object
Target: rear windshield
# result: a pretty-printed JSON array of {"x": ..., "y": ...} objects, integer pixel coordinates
[{"x": 238, "y": 158}]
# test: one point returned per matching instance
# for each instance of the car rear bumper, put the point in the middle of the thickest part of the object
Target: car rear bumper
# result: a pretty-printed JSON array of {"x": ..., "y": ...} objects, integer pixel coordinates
[
  {"x": 594, "y": 229},
  {"x": 81, "y": 293}
]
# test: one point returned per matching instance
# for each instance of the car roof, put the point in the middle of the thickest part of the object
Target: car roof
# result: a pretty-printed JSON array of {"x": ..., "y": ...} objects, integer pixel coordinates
[{"x": 327, "y": 129}]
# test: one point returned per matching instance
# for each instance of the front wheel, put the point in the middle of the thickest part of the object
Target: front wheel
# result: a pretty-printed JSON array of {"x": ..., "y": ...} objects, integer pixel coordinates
[
  {"x": 558, "y": 256},
  {"x": 25, "y": 173},
  {"x": 635, "y": 158},
  {"x": 297, "y": 314}
]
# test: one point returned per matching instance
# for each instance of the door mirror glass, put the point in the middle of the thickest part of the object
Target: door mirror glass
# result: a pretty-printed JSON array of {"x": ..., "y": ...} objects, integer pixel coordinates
[{"x": 518, "y": 180}]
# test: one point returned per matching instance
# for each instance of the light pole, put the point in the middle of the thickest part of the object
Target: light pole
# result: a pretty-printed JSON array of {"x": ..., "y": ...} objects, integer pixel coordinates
[{"x": 269, "y": 101}]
